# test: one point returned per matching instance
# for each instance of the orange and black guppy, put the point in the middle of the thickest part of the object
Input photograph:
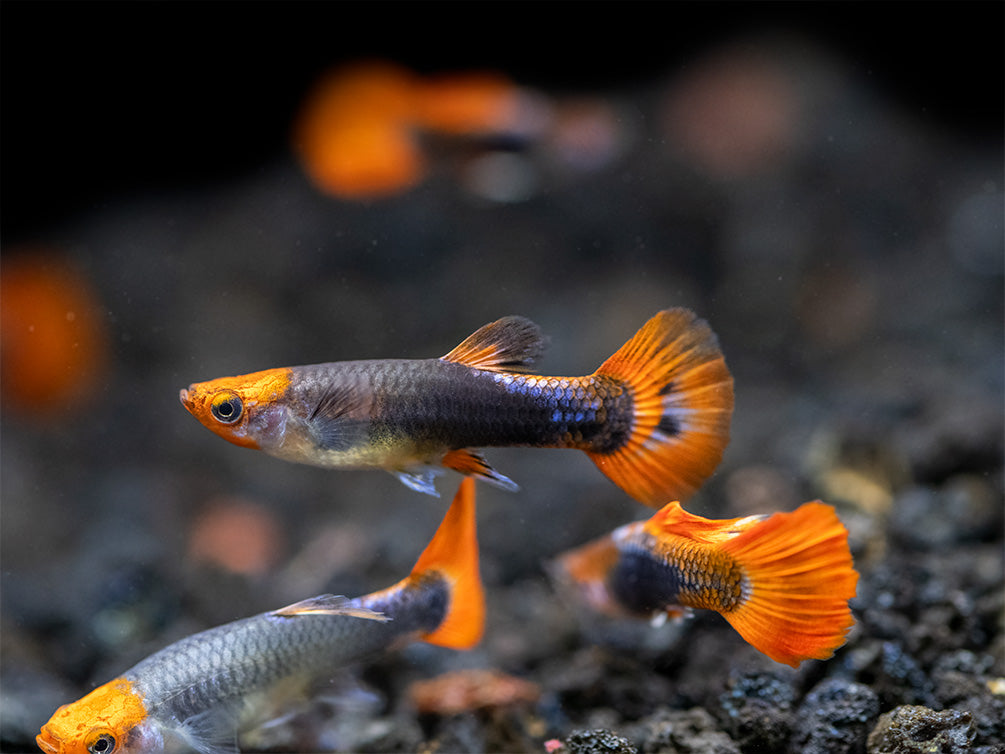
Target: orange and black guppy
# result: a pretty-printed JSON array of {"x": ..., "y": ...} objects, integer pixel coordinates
[
  {"x": 782, "y": 581},
  {"x": 654, "y": 417}
]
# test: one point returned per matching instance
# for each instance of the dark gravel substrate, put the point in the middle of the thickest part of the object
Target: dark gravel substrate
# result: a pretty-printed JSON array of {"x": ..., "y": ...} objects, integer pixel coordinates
[{"x": 850, "y": 259}]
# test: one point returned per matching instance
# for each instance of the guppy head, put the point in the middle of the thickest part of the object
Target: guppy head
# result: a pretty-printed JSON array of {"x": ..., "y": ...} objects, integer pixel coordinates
[
  {"x": 247, "y": 410},
  {"x": 112, "y": 719}
]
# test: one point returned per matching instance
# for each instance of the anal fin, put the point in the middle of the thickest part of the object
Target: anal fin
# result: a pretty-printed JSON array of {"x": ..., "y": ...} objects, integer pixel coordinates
[{"x": 470, "y": 463}]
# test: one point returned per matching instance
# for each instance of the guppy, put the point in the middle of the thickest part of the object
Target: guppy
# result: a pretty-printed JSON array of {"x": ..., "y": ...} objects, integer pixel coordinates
[
  {"x": 200, "y": 692},
  {"x": 654, "y": 417},
  {"x": 783, "y": 582}
]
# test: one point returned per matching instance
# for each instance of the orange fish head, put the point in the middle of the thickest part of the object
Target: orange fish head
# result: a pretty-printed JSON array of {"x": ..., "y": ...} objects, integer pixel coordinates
[
  {"x": 246, "y": 410},
  {"x": 580, "y": 576},
  {"x": 112, "y": 719}
]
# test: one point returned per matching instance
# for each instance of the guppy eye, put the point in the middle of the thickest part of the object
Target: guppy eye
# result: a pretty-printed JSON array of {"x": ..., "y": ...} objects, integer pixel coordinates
[
  {"x": 103, "y": 744},
  {"x": 227, "y": 408}
]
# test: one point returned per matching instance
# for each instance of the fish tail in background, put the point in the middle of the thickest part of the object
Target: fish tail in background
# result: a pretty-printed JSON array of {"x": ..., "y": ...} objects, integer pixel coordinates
[
  {"x": 682, "y": 395},
  {"x": 453, "y": 554},
  {"x": 800, "y": 577}
]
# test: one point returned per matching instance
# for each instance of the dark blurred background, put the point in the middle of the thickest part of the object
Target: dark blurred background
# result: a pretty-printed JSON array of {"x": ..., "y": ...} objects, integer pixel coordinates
[
  {"x": 103, "y": 100},
  {"x": 821, "y": 181}
]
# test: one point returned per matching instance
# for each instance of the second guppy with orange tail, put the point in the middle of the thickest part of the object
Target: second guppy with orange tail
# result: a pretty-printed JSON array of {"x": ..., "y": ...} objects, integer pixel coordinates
[
  {"x": 654, "y": 417},
  {"x": 200, "y": 693},
  {"x": 782, "y": 581}
]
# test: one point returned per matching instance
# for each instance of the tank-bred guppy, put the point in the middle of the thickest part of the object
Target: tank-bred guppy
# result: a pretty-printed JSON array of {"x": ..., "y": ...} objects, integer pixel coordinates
[
  {"x": 201, "y": 692},
  {"x": 782, "y": 581},
  {"x": 654, "y": 417}
]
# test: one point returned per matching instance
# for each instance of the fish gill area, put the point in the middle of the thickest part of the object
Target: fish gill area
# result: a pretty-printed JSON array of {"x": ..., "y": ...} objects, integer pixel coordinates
[{"x": 844, "y": 243}]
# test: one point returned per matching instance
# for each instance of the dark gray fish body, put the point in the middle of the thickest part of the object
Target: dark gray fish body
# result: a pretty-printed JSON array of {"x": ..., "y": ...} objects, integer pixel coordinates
[
  {"x": 432, "y": 404},
  {"x": 654, "y": 416}
]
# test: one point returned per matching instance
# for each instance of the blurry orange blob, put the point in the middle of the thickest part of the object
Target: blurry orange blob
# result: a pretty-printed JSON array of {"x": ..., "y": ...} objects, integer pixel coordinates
[
  {"x": 365, "y": 158},
  {"x": 237, "y": 535},
  {"x": 53, "y": 343},
  {"x": 468, "y": 690},
  {"x": 470, "y": 103},
  {"x": 352, "y": 133},
  {"x": 373, "y": 90},
  {"x": 358, "y": 131}
]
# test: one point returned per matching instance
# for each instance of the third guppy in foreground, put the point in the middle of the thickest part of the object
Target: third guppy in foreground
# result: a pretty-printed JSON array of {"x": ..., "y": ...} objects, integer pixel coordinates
[{"x": 203, "y": 692}]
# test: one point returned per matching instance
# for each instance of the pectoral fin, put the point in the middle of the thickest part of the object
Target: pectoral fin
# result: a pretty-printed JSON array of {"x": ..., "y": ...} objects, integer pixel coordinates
[
  {"x": 210, "y": 732},
  {"x": 340, "y": 417}
]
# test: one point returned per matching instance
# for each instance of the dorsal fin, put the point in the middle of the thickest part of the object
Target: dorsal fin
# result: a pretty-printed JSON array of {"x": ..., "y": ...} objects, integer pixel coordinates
[
  {"x": 329, "y": 604},
  {"x": 510, "y": 344},
  {"x": 672, "y": 519}
]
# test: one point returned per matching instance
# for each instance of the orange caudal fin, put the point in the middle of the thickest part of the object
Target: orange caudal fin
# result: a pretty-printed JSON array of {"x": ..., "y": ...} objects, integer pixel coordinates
[
  {"x": 682, "y": 394},
  {"x": 453, "y": 553},
  {"x": 801, "y": 576}
]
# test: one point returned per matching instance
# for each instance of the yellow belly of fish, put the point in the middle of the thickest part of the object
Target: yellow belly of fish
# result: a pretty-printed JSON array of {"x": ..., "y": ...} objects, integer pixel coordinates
[{"x": 391, "y": 453}]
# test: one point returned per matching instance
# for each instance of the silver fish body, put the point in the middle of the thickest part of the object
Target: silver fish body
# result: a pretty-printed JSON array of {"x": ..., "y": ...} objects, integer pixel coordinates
[
  {"x": 231, "y": 661},
  {"x": 208, "y": 691}
]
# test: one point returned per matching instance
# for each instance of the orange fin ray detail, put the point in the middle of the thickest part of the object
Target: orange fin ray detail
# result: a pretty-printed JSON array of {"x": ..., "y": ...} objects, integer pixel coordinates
[
  {"x": 510, "y": 344},
  {"x": 470, "y": 463},
  {"x": 453, "y": 553},
  {"x": 683, "y": 397},
  {"x": 672, "y": 519},
  {"x": 801, "y": 577}
]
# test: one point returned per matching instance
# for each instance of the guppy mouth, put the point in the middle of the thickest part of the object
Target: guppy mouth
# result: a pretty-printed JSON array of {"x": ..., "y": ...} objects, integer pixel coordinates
[{"x": 45, "y": 745}]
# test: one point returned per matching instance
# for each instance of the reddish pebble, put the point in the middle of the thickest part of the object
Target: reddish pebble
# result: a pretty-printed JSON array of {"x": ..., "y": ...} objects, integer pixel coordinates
[
  {"x": 236, "y": 535},
  {"x": 468, "y": 690}
]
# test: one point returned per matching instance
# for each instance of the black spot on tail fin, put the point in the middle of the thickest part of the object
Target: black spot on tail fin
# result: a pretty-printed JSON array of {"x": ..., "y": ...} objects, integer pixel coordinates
[{"x": 682, "y": 393}]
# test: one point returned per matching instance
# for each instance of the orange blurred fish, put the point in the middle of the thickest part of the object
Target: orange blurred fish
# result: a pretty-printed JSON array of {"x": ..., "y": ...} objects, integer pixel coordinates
[
  {"x": 654, "y": 417},
  {"x": 202, "y": 692},
  {"x": 782, "y": 581}
]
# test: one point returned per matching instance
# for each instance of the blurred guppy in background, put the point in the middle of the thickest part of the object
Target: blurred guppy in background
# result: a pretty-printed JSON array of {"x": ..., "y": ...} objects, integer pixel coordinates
[{"x": 849, "y": 262}]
